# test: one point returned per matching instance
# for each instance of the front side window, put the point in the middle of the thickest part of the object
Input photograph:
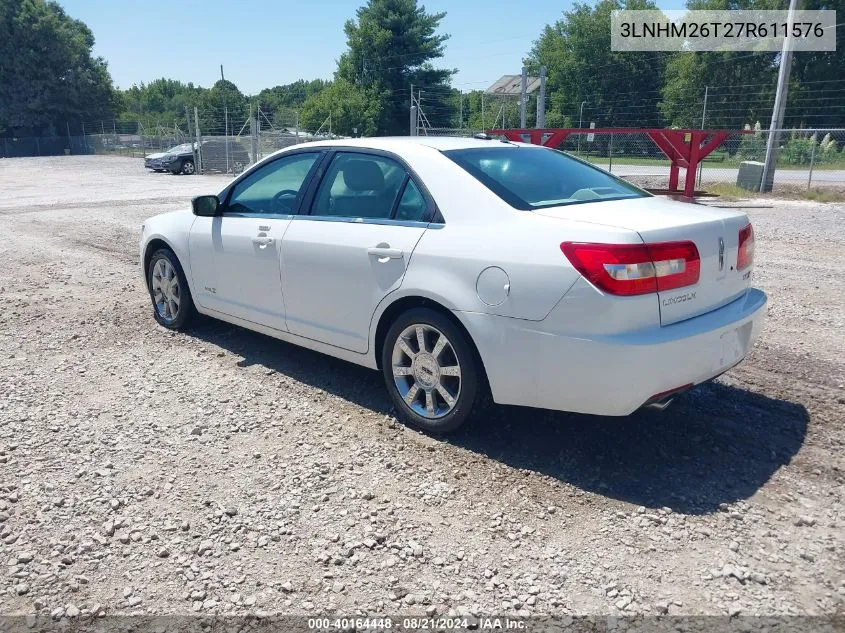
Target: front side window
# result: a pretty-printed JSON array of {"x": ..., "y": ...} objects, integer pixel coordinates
[
  {"x": 359, "y": 186},
  {"x": 274, "y": 188},
  {"x": 535, "y": 178}
]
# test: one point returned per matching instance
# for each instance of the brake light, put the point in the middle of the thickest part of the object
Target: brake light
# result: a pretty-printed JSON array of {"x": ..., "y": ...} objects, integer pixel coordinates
[
  {"x": 635, "y": 269},
  {"x": 745, "y": 253}
]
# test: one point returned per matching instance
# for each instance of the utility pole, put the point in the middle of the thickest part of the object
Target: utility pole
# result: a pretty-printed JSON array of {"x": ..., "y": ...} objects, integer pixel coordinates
[
  {"x": 523, "y": 88},
  {"x": 222, "y": 78},
  {"x": 413, "y": 129},
  {"x": 482, "y": 110},
  {"x": 541, "y": 100},
  {"x": 461, "y": 109},
  {"x": 779, "y": 109}
]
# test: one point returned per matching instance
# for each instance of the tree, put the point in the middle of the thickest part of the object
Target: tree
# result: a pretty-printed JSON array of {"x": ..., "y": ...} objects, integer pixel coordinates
[
  {"x": 391, "y": 46},
  {"x": 160, "y": 102},
  {"x": 221, "y": 102},
  {"x": 48, "y": 77},
  {"x": 343, "y": 108},
  {"x": 617, "y": 88},
  {"x": 732, "y": 102},
  {"x": 280, "y": 103}
]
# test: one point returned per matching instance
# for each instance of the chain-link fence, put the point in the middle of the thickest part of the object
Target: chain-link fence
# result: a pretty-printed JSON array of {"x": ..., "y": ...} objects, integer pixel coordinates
[
  {"x": 804, "y": 158},
  {"x": 230, "y": 141}
]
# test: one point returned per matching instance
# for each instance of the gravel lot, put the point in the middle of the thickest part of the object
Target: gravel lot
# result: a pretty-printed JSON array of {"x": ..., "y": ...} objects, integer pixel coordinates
[{"x": 221, "y": 471}]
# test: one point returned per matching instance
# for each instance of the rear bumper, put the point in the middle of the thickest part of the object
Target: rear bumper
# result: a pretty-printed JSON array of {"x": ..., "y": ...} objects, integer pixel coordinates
[{"x": 529, "y": 364}]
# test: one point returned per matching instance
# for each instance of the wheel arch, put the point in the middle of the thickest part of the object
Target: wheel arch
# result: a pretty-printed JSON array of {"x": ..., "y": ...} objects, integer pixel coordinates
[
  {"x": 402, "y": 304},
  {"x": 154, "y": 244}
]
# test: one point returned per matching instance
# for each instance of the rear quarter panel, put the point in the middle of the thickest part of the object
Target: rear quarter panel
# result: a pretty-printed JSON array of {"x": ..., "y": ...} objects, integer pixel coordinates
[{"x": 450, "y": 258}]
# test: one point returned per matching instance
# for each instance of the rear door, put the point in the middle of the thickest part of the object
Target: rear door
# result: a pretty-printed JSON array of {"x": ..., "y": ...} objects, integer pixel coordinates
[{"x": 352, "y": 249}]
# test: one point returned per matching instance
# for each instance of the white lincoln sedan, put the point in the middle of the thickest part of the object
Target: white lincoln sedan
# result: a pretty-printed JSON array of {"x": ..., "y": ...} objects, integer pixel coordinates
[{"x": 466, "y": 267}]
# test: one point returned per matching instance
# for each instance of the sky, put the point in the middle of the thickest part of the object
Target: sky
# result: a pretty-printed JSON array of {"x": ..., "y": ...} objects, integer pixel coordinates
[{"x": 264, "y": 43}]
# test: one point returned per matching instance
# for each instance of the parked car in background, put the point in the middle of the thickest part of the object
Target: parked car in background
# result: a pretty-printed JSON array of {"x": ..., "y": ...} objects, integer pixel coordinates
[
  {"x": 218, "y": 155},
  {"x": 155, "y": 161},
  {"x": 457, "y": 266}
]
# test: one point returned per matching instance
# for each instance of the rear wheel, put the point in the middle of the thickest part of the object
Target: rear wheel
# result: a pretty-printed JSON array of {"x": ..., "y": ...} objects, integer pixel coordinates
[
  {"x": 188, "y": 167},
  {"x": 173, "y": 305},
  {"x": 431, "y": 371}
]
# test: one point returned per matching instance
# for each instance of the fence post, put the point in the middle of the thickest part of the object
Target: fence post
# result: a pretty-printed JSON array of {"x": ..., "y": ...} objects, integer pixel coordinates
[
  {"x": 252, "y": 139},
  {"x": 198, "y": 166},
  {"x": 812, "y": 162},
  {"x": 610, "y": 154},
  {"x": 226, "y": 132},
  {"x": 38, "y": 145}
]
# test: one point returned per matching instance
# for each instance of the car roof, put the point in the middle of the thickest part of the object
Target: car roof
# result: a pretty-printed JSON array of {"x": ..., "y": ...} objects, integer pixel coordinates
[{"x": 400, "y": 143}]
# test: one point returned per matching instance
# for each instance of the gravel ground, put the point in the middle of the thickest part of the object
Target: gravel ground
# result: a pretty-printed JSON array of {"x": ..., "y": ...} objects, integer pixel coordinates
[{"x": 221, "y": 471}]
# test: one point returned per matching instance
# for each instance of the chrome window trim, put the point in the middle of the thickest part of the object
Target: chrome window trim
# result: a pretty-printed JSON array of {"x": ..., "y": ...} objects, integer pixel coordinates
[
  {"x": 267, "y": 216},
  {"x": 354, "y": 220}
]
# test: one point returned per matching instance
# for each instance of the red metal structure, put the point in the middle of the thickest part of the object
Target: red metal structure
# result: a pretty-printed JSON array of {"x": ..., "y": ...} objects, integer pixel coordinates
[{"x": 683, "y": 148}]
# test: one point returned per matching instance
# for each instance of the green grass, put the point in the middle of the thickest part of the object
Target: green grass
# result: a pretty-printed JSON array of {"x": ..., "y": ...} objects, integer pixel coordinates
[
  {"x": 709, "y": 163},
  {"x": 732, "y": 192}
]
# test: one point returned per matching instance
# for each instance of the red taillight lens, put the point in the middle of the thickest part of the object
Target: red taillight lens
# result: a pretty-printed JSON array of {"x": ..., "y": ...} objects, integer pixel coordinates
[
  {"x": 745, "y": 254},
  {"x": 676, "y": 264},
  {"x": 635, "y": 269}
]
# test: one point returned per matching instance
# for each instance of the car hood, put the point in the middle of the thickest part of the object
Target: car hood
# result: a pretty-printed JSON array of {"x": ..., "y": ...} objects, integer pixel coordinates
[{"x": 155, "y": 156}]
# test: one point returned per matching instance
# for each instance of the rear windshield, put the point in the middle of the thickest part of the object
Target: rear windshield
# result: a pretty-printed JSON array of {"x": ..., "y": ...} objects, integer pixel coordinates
[{"x": 535, "y": 178}]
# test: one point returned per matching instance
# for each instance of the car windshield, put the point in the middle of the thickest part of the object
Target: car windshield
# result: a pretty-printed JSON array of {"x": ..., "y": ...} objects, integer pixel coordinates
[
  {"x": 184, "y": 147},
  {"x": 534, "y": 178}
]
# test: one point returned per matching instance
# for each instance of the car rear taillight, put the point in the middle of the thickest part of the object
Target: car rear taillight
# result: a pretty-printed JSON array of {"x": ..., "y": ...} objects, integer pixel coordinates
[
  {"x": 635, "y": 269},
  {"x": 745, "y": 253}
]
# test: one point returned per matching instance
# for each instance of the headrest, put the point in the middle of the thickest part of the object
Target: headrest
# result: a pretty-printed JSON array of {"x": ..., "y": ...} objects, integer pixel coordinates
[{"x": 362, "y": 175}]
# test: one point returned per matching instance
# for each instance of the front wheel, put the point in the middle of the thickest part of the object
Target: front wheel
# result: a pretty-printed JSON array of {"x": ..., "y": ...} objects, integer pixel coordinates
[
  {"x": 172, "y": 301},
  {"x": 431, "y": 371},
  {"x": 188, "y": 167}
]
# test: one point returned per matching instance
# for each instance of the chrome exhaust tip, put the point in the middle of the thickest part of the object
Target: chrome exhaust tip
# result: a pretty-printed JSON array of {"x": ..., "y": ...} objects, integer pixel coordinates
[
  {"x": 660, "y": 401},
  {"x": 660, "y": 405}
]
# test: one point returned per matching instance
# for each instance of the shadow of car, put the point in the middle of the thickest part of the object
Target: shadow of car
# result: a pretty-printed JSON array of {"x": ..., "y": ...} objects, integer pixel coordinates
[{"x": 717, "y": 445}]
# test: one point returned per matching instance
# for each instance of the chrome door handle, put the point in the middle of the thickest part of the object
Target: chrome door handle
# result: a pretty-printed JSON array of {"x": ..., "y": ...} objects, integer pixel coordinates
[
  {"x": 262, "y": 241},
  {"x": 384, "y": 253}
]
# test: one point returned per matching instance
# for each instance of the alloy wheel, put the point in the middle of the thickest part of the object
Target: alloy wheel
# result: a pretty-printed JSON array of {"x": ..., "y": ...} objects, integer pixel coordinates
[
  {"x": 166, "y": 290},
  {"x": 426, "y": 371}
]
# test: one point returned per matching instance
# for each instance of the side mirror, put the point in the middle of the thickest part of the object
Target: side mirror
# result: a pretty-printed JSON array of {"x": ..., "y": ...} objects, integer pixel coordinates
[{"x": 206, "y": 206}]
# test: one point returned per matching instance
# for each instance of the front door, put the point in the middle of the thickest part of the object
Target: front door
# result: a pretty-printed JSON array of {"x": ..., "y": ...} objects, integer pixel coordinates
[
  {"x": 352, "y": 249},
  {"x": 243, "y": 244}
]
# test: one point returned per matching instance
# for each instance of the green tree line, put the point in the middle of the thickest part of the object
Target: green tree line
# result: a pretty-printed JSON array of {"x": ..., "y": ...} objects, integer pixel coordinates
[{"x": 51, "y": 83}]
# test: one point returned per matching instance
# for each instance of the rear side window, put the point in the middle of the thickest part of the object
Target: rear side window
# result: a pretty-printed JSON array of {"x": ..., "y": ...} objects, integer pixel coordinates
[
  {"x": 359, "y": 186},
  {"x": 535, "y": 178},
  {"x": 412, "y": 206}
]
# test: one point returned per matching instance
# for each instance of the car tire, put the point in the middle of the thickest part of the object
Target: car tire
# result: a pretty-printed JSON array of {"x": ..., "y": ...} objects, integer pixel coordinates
[
  {"x": 187, "y": 168},
  {"x": 423, "y": 393},
  {"x": 173, "y": 305}
]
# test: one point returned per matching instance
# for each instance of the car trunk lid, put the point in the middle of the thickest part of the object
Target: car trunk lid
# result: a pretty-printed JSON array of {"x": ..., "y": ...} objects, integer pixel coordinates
[{"x": 715, "y": 233}]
